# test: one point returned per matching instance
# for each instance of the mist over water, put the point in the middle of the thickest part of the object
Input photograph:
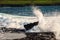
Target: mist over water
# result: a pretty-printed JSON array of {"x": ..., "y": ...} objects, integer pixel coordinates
[{"x": 48, "y": 22}]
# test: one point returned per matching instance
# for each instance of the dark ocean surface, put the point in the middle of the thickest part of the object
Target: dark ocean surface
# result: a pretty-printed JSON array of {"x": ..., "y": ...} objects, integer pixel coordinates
[{"x": 27, "y": 10}]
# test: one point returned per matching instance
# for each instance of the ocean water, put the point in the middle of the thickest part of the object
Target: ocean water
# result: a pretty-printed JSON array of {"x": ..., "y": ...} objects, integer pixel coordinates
[
  {"x": 18, "y": 16},
  {"x": 27, "y": 11}
]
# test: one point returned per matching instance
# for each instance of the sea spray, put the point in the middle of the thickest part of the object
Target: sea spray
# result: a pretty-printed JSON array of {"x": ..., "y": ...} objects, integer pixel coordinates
[
  {"x": 53, "y": 22},
  {"x": 40, "y": 17},
  {"x": 49, "y": 23}
]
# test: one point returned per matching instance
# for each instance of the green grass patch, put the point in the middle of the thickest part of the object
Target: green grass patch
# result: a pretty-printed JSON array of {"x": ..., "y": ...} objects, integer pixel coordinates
[{"x": 29, "y": 1}]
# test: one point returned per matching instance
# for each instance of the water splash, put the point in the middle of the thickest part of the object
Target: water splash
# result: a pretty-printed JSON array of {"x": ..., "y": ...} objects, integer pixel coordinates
[
  {"x": 49, "y": 23},
  {"x": 40, "y": 17}
]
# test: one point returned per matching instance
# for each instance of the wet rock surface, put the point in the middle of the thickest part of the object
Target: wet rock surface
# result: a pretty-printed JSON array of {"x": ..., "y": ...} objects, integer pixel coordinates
[
  {"x": 30, "y": 35},
  {"x": 39, "y": 36}
]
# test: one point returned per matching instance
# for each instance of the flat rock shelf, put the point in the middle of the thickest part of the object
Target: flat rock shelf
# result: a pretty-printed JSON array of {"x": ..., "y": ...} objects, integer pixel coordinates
[
  {"x": 16, "y": 34},
  {"x": 11, "y": 36},
  {"x": 39, "y": 36}
]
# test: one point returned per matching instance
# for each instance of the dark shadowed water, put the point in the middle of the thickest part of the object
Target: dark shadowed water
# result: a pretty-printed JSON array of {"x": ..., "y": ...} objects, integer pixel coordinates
[{"x": 27, "y": 11}]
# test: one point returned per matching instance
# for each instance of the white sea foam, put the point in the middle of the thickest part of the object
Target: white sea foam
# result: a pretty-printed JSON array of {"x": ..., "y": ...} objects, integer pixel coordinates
[{"x": 13, "y": 21}]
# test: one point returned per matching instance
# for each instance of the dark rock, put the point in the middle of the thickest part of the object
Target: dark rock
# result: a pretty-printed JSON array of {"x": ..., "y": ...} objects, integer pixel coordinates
[
  {"x": 31, "y": 25},
  {"x": 40, "y": 36}
]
